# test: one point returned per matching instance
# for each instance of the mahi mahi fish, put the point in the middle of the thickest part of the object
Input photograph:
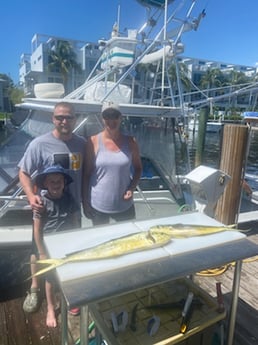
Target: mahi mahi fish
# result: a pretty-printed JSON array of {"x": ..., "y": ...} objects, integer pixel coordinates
[{"x": 156, "y": 236}]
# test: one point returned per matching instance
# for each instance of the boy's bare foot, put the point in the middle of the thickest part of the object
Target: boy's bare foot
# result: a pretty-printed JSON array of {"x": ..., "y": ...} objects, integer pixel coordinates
[{"x": 51, "y": 319}]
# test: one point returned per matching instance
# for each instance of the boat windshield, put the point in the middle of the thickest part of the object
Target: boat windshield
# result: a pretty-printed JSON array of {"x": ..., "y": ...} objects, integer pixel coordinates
[{"x": 155, "y": 136}]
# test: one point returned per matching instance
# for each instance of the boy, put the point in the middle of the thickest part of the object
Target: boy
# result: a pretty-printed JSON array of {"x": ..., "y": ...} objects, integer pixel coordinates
[{"x": 60, "y": 213}]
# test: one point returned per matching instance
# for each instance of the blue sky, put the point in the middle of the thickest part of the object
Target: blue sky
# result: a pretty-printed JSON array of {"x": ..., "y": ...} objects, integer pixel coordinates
[{"x": 228, "y": 33}]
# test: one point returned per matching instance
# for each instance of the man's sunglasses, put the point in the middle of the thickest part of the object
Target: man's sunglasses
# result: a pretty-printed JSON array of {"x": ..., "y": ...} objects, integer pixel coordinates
[{"x": 64, "y": 117}]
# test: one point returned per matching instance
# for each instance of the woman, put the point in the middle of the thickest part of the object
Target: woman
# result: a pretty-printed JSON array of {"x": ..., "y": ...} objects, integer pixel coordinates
[{"x": 112, "y": 171}]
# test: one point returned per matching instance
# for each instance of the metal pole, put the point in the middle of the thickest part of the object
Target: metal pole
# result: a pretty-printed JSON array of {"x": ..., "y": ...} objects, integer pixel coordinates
[
  {"x": 64, "y": 327},
  {"x": 84, "y": 323},
  {"x": 233, "y": 309}
]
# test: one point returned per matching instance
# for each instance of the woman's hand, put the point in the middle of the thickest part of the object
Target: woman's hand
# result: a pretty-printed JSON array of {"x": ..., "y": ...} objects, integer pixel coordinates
[{"x": 128, "y": 194}]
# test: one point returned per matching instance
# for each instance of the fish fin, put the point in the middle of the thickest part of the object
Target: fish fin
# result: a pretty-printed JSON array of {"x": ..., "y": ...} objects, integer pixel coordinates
[{"x": 180, "y": 225}]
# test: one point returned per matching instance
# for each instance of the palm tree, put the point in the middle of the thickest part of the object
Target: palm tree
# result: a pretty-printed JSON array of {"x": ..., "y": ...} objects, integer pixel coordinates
[
  {"x": 183, "y": 71},
  {"x": 62, "y": 59},
  {"x": 236, "y": 77},
  {"x": 7, "y": 88},
  {"x": 179, "y": 80},
  {"x": 213, "y": 78},
  {"x": 232, "y": 79}
]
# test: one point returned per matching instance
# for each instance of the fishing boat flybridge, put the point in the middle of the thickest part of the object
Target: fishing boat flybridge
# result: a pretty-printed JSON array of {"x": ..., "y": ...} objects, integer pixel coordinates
[{"x": 153, "y": 118}]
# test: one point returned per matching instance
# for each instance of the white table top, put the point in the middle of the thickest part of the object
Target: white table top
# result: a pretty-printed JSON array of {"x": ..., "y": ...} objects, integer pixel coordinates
[
  {"x": 60, "y": 244},
  {"x": 86, "y": 282}
]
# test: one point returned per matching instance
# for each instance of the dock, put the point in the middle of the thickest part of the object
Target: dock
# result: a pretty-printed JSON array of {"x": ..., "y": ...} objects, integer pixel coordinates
[
  {"x": 246, "y": 330},
  {"x": 19, "y": 328}
]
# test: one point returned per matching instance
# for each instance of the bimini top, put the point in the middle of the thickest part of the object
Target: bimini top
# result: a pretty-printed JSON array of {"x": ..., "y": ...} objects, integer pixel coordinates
[{"x": 249, "y": 116}]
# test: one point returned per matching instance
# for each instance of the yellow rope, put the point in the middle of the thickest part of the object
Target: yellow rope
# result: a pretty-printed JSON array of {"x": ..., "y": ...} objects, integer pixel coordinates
[
  {"x": 222, "y": 269},
  {"x": 213, "y": 272}
]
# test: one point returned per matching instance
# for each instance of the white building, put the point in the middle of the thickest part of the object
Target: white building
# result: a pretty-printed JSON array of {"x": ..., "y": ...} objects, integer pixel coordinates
[
  {"x": 198, "y": 67},
  {"x": 34, "y": 66},
  {"x": 34, "y": 69}
]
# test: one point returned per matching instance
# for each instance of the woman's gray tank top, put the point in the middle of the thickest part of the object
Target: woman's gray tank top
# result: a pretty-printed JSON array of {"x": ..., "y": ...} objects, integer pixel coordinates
[{"x": 111, "y": 178}]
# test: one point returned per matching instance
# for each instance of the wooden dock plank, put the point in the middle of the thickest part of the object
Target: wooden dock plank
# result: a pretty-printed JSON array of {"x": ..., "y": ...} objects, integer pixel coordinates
[
  {"x": 36, "y": 324},
  {"x": 246, "y": 331},
  {"x": 3, "y": 329},
  {"x": 16, "y": 327}
]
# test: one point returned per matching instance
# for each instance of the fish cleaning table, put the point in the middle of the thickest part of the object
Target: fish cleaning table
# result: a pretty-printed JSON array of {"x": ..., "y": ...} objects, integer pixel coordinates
[{"x": 89, "y": 282}]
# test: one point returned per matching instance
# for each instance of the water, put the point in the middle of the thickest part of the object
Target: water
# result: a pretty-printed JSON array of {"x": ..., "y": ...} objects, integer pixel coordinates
[{"x": 212, "y": 155}]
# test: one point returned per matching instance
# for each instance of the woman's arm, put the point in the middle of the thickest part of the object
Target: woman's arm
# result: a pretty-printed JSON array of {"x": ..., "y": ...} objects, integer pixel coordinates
[{"x": 137, "y": 167}]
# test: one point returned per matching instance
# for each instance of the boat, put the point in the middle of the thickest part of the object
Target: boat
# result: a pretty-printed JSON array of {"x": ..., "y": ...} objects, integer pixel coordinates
[
  {"x": 214, "y": 127},
  {"x": 250, "y": 116},
  {"x": 211, "y": 126},
  {"x": 163, "y": 188},
  {"x": 154, "y": 125}
]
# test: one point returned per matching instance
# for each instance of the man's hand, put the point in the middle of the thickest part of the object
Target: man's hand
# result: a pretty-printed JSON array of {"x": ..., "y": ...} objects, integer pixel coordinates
[{"x": 36, "y": 203}]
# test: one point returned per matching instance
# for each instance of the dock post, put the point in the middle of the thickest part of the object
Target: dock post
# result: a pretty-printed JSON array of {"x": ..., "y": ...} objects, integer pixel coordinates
[
  {"x": 203, "y": 118},
  {"x": 233, "y": 159}
]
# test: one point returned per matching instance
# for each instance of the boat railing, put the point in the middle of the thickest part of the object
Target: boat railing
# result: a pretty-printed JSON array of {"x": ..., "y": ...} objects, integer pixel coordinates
[
  {"x": 147, "y": 205},
  {"x": 15, "y": 197},
  {"x": 79, "y": 92},
  {"x": 9, "y": 200}
]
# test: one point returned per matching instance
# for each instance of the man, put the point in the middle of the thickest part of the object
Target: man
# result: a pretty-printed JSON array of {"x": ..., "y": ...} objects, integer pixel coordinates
[{"x": 59, "y": 147}]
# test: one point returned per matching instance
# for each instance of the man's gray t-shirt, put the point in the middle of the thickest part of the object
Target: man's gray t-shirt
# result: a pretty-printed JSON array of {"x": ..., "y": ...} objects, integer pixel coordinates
[{"x": 47, "y": 150}]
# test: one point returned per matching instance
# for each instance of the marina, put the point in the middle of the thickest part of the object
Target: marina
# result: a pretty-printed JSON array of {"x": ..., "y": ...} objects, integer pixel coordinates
[{"x": 167, "y": 195}]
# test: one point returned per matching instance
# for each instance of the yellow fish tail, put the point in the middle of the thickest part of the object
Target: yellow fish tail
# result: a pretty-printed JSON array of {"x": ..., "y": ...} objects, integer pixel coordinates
[
  {"x": 52, "y": 263},
  {"x": 48, "y": 261}
]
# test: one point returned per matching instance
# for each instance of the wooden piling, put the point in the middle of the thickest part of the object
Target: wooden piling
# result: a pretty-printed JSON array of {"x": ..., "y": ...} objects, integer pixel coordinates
[
  {"x": 233, "y": 158},
  {"x": 203, "y": 118}
]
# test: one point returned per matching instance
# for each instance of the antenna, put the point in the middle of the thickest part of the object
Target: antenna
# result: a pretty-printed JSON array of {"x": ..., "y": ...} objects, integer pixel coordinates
[{"x": 118, "y": 18}]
